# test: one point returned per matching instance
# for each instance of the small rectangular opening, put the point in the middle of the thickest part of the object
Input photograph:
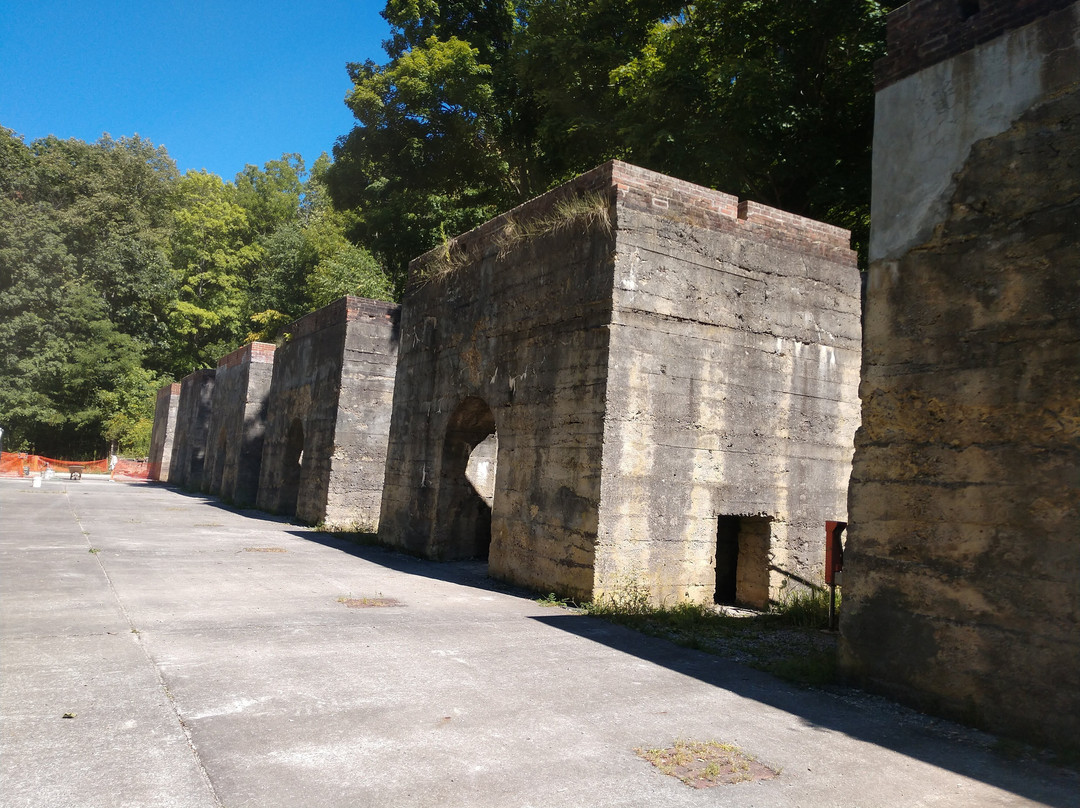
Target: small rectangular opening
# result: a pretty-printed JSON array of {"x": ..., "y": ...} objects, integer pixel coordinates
[{"x": 742, "y": 560}]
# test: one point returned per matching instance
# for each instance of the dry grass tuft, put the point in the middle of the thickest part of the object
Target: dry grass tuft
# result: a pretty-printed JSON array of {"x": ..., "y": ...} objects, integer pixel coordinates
[
  {"x": 369, "y": 603},
  {"x": 590, "y": 211},
  {"x": 703, "y": 764}
]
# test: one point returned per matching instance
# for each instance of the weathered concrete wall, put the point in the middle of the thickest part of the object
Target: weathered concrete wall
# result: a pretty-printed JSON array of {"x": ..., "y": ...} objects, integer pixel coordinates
[
  {"x": 733, "y": 375},
  {"x": 962, "y": 579},
  {"x": 329, "y": 415},
  {"x": 237, "y": 423},
  {"x": 362, "y": 429},
  {"x": 652, "y": 357},
  {"x": 192, "y": 419},
  {"x": 163, "y": 432},
  {"x": 506, "y": 336}
]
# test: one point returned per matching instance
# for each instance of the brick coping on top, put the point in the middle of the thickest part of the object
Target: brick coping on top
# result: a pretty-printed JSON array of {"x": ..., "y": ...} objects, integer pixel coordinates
[
  {"x": 923, "y": 33},
  {"x": 257, "y": 352},
  {"x": 633, "y": 187},
  {"x": 344, "y": 309}
]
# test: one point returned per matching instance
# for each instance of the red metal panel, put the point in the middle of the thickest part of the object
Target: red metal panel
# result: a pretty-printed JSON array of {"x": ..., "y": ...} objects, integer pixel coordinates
[{"x": 834, "y": 550}]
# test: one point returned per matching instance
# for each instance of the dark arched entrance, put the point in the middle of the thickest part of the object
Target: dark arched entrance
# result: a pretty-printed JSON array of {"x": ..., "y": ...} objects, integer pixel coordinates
[
  {"x": 292, "y": 467},
  {"x": 213, "y": 485},
  {"x": 467, "y": 483}
]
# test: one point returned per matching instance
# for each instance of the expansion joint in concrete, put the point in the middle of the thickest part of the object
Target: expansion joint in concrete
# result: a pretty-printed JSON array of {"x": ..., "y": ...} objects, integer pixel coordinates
[{"x": 203, "y": 773}]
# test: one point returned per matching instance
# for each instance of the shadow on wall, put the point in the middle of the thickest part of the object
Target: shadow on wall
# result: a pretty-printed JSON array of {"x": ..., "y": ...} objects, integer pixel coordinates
[
  {"x": 292, "y": 468},
  {"x": 467, "y": 487}
]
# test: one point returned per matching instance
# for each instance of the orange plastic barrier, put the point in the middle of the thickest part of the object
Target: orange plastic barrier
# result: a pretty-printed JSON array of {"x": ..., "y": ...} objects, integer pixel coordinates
[
  {"x": 131, "y": 470},
  {"x": 20, "y": 464},
  {"x": 11, "y": 464}
]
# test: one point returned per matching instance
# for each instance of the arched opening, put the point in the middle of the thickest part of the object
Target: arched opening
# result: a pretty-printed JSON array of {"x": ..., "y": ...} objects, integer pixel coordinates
[
  {"x": 195, "y": 468},
  {"x": 742, "y": 560},
  {"x": 218, "y": 473},
  {"x": 467, "y": 482},
  {"x": 292, "y": 467}
]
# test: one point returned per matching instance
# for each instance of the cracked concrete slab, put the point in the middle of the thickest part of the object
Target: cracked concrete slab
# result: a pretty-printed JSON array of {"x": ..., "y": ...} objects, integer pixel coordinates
[{"x": 202, "y": 670}]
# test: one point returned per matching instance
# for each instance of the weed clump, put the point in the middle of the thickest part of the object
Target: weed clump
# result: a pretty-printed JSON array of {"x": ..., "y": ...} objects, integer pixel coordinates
[
  {"x": 702, "y": 764},
  {"x": 787, "y": 641},
  {"x": 589, "y": 211},
  {"x": 805, "y": 608}
]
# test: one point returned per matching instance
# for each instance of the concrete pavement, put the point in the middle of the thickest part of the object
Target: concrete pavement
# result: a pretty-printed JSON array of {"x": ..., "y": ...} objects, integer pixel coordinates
[{"x": 212, "y": 657}]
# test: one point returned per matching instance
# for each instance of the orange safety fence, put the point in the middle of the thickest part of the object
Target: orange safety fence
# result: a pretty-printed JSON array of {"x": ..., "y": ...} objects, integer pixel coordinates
[
  {"x": 11, "y": 464},
  {"x": 22, "y": 464},
  {"x": 131, "y": 470}
]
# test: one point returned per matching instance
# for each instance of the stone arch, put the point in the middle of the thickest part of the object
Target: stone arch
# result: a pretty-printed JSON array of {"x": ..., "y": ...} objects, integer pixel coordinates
[
  {"x": 292, "y": 468},
  {"x": 217, "y": 474},
  {"x": 467, "y": 483}
]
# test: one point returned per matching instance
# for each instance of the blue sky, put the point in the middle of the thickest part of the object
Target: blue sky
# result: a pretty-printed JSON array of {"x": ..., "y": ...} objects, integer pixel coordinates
[{"x": 219, "y": 84}]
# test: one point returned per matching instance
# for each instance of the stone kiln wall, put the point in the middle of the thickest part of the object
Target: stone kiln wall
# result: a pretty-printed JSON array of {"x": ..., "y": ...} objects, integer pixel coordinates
[
  {"x": 237, "y": 423},
  {"x": 514, "y": 337},
  {"x": 329, "y": 412},
  {"x": 362, "y": 428},
  {"x": 192, "y": 418},
  {"x": 163, "y": 432},
  {"x": 733, "y": 377},
  {"x": 680, "y": 358},
  {"x": 962, "y": 580}
]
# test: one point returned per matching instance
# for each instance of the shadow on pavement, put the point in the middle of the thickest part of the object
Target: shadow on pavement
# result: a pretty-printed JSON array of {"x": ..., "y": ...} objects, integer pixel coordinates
[{"x": 872, "y": 719}]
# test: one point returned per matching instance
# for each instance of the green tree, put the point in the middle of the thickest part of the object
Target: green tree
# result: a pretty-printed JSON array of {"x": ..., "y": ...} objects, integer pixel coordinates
[
  {"x": 76, "y": 301},
  {"x": 130, "y": 404},
  {"x": 483, "y": 105},
  {"x": 271, "y": 195},
  {"x": 437, "y": 147},
  {"x": 564, "y": 53},
  {"x": 766, "y": 99},
  {"x": 111, "y": 202},
  {"x": 306, "y": 259},
  {"x": 213, "y": 257}
]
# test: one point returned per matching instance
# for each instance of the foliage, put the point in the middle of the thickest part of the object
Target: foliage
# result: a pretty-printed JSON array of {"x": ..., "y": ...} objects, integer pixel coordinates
[
  {"x": 483, "y": 105},
  {"x": 307, "y": 261},
  {"x": 213, "y": 260},
  {"x": 131, "y": 408},
  {"x": 83, "y": 233},
  {"x": 805, "y": 608},
  {"x": 271, "y": 195},
  {"x": 782, "y": 641},
  {"x": 761, "y": 98},
  {"x": 117, "y": 275}
]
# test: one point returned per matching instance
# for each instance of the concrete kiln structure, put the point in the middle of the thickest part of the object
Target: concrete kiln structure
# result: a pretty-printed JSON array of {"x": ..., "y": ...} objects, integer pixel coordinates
[
  {"x": 630, "y": 385},
  {"x": 192, "y": 420},
  {"x": 163, "y": 432},
  {"x": 962, "y": 579},
  {"x": 329, "y": 415},
  {"x": 237, "y": 422}
]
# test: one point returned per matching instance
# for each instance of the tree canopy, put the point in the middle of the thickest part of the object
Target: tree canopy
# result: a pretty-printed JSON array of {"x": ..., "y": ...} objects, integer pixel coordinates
[
  {"x": 118, "y": 275},
  {"x": 483, "y": 105}
]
